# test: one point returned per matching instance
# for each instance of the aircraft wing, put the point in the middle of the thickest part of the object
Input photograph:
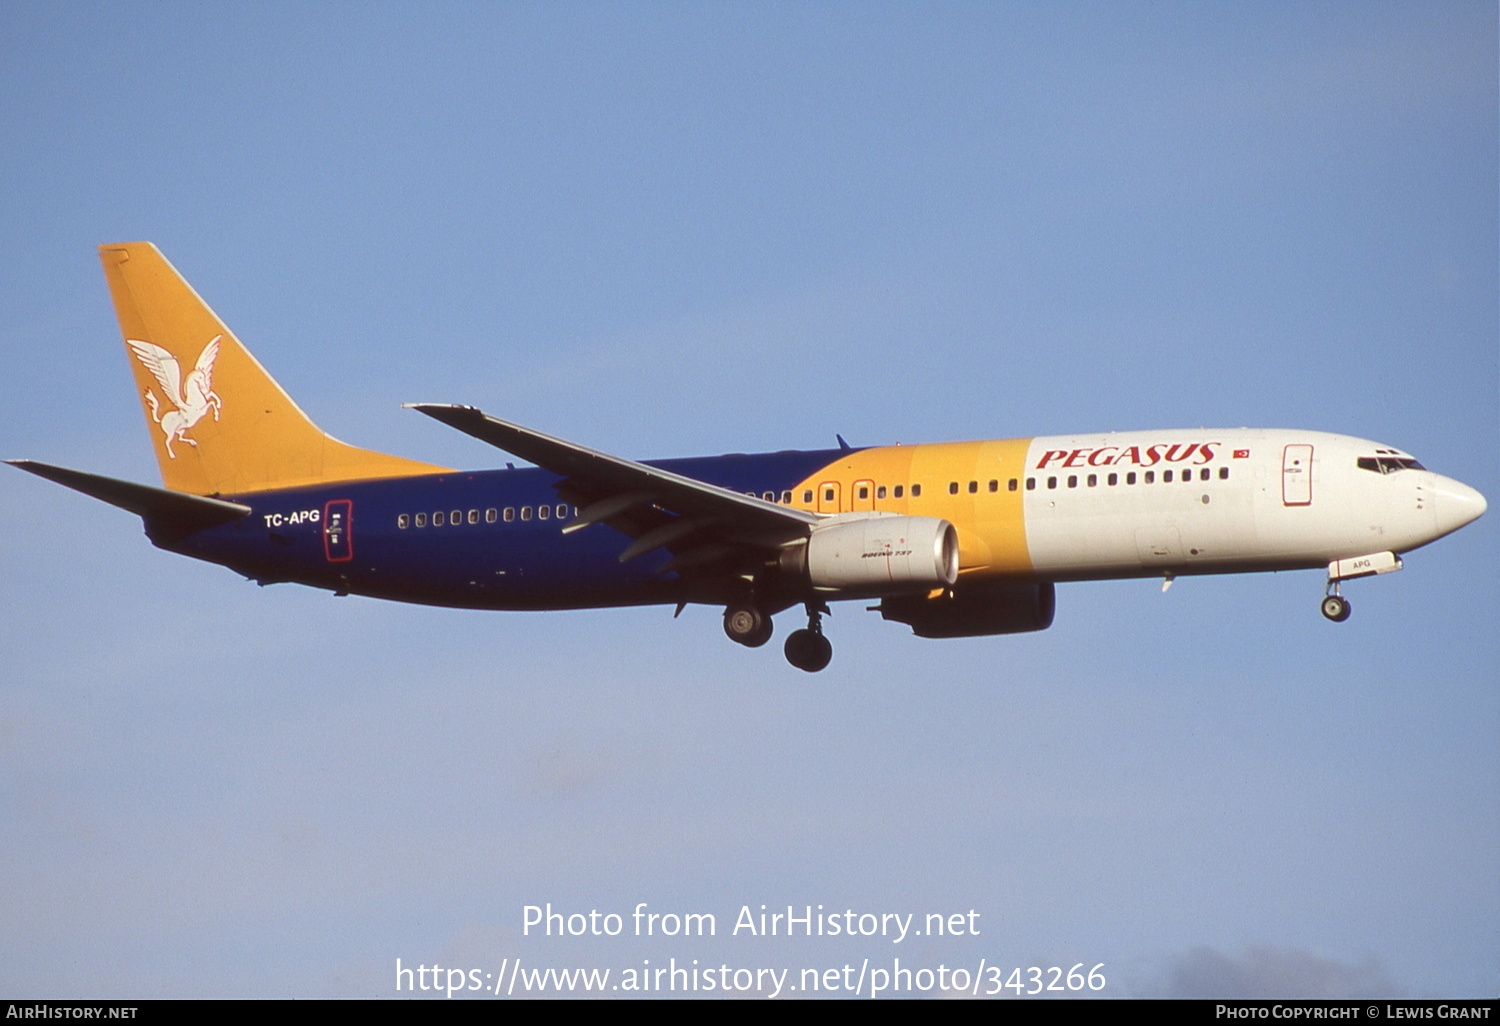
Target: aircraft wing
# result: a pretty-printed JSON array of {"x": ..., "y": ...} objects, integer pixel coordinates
[{"x": 637, "y": 499}]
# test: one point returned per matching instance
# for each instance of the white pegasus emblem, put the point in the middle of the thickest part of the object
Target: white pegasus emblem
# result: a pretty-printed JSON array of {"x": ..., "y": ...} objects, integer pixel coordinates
[{"x": 193, "y": 398}]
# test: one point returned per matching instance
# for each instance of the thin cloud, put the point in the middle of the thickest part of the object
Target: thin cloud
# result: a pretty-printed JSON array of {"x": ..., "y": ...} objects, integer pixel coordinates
[{"x": 1269, "y": 973}]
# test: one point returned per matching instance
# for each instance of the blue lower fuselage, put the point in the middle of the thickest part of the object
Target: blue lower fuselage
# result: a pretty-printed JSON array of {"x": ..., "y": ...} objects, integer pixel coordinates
[{"x": 398, "y": 538}]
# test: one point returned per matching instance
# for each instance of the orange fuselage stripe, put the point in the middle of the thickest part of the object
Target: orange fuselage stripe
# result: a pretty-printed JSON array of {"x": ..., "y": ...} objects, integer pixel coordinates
[{"x": 991, "y": 524}]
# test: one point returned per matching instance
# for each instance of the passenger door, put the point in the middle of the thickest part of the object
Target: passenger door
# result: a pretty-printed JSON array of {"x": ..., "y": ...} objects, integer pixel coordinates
[{"x": 1296, "y": 475}]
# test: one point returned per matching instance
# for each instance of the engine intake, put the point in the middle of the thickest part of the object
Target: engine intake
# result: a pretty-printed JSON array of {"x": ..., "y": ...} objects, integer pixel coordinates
[{"x": 875, "y": 554}]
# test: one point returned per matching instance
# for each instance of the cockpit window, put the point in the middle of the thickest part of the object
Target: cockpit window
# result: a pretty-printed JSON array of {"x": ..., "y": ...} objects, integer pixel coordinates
[{"x": 1388, "y": 464}]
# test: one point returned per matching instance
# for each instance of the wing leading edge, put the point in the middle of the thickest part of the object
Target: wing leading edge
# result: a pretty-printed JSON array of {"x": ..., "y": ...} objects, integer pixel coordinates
[{"x": 698, "y": 522}]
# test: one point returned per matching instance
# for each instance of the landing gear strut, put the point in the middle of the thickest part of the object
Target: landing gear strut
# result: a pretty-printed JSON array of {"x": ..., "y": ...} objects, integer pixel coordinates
[
  {"x": 1335, "y": 606},
  {"x": 808, "y": 649},
  {"x": 747, "y": 625}
]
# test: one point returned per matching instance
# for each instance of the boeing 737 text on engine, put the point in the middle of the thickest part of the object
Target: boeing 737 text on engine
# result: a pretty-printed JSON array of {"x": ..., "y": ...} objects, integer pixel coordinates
[{"x": 955, "y": 539}]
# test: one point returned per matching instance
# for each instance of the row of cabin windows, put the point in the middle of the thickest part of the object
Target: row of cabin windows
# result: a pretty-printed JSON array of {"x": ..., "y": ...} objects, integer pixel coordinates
[
  {"x": 1148, "y": 477},
  {"x": 491, "y": 515},
  {"x": 993, "y": 485},
  {"x": 830, "y": 494}
]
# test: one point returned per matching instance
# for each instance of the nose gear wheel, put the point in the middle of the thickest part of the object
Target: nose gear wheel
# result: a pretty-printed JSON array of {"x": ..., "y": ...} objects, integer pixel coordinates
[{"x": 1334, "y": 605}]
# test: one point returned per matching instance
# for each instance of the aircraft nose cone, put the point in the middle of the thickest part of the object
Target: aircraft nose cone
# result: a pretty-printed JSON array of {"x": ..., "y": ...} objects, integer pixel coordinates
[{"x": 1456, "y": 504}]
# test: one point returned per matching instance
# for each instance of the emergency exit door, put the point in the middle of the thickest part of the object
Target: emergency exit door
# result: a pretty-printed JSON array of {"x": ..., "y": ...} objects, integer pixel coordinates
[{"x": 338, "y": 518}]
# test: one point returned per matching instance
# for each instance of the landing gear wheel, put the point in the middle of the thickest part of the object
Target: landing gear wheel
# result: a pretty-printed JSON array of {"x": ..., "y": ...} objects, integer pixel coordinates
[
  {"x": 747, "y": 625},
  {"x": 808, "y": 650},
  {"x": 1336, "y": 608}
]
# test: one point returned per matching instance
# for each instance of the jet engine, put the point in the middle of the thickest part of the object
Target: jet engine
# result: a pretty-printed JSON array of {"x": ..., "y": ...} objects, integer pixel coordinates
[
  {"x": 972, "y": 612},
  {"x": 876, "y": 554}
]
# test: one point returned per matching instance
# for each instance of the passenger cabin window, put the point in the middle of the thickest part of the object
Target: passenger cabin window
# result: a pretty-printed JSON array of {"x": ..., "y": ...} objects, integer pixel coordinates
[
  {"x": 880, "y": 491},
  {"x": 994, "y": 486},
  {"x": 1150, "y": 477},
  {"x": 562, "y": 511},
  {"x": 1011, "y": 486},
  {"x": 1113, "y": 480},
  {"x": 916, "y": 490},
  {"x": 437, "y": 519},
  {"x": 973, "y": 487},
  {"x": 421, "y": 519},
  {"x": 807, "y": 495},
  {"x": 510, "y": 513},
  {"x": 1223, "y": 473},
  {"x": 1051, "y": 482},
  {"x": 543, "y": 512},
  {"x": 898, "y": 490},
  {"x": 1130, "y": 478},
  {"x": 403, "y": 521},
  {"x": 1031, "y": 484},
  {"x": 473, "y": 516},
  {"x": 491, "y": 515},
  {"x": 1167, "y": 476},
  {"x": 786, "y": 498},
  {"x": 864, "y": 491},
  {"x": 952, "y": 487},
  {"x": 1072, "y": 480},
  {"x": 525, "y": 512}
]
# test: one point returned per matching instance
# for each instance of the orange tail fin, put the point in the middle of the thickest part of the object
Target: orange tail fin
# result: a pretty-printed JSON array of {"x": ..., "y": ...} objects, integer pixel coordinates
[{"x": 219, "y": 423}]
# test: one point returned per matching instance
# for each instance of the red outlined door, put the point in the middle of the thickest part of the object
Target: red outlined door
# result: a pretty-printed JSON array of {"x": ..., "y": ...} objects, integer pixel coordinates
[
  {"x": 1296, "y": 475},
  {"x": 862, "y": 495},
  {"x": 338, "y": 522},
  {"x": 828, "y": 497}
]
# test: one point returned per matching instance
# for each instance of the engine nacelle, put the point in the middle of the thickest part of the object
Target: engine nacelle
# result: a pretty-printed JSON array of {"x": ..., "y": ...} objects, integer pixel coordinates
[
  {"x": 972, "y": 612},
  {"x": 875, "y": 554}
]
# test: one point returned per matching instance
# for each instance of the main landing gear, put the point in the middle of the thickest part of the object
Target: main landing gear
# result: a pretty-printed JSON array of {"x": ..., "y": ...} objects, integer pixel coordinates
[
  {"x": 805, "y": 649},
  {"x": 747, "y": 625},
  {"x": 1335, "y": 606}
]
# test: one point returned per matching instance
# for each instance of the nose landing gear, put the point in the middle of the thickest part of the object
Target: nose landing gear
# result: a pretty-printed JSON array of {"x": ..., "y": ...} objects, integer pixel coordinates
[{"x": 807, "y": 649}]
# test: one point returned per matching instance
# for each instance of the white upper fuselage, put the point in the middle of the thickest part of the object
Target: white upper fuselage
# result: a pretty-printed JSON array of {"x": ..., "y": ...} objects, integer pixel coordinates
[{"x": 1216, "y": 501}]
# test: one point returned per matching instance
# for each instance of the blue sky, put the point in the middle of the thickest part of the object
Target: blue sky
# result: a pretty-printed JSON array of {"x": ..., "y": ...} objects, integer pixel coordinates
[{"x": 687, "y": 229}]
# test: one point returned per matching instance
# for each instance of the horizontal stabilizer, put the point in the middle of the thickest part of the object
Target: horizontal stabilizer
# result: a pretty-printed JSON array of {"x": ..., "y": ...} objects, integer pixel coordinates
[{"x": 174, "y": 510}]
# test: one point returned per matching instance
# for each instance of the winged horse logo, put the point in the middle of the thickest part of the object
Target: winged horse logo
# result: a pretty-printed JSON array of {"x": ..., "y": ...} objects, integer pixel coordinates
[{"x": 193, "y": 397}]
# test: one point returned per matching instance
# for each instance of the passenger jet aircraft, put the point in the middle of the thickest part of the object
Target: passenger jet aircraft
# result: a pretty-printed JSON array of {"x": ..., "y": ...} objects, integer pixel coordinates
[{"x": 955, "y": 540}]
